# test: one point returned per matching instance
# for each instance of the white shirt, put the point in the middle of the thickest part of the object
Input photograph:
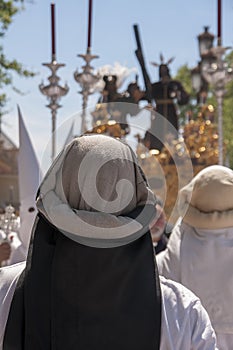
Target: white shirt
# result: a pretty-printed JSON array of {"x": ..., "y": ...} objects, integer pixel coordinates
[
  {"x": 202, "y": 261},
  {"x": 185, "y": 323}
]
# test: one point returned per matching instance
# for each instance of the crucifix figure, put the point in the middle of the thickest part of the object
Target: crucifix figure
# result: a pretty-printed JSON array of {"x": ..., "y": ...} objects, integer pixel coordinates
[{"x": 164, "y": 92}]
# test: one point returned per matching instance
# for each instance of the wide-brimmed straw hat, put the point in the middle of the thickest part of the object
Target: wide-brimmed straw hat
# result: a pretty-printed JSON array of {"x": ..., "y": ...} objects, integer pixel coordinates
[{"x": 207, "y": 201}]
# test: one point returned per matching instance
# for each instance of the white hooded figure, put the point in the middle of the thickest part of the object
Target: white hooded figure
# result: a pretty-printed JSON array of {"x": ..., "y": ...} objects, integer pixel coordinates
[
  {"x": 29, "y": 180},
  {"x": 17, "y": 252},
  {"x": 199, "y": 253},
  {"x": 9, "y": 238}
]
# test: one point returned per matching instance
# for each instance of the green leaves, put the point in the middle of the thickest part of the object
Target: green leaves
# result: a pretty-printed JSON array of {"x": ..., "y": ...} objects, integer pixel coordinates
[
  {"x": 7, "y": 10},
  {"x": 8, "y": 67},
  {"x": 228, "y": 114}
]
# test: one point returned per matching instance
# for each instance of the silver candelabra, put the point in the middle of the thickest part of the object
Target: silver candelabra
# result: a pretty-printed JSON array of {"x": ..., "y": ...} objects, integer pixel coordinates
[
  {"x": 87, "y": 80},
  {"x": 54, "y": 92},
  {"x": 218, "y": 74}
]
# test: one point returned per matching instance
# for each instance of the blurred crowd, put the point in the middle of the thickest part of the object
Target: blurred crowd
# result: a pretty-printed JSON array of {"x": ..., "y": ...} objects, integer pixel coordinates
[{"x": 169, "y": 289}]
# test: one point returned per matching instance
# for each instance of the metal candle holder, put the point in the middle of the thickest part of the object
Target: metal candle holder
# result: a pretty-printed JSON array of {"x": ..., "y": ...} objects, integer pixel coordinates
[
  {"x": 54, "y": 92},
  {"x": 218, "y": 75},
  {"x": 87, "y": 80}
]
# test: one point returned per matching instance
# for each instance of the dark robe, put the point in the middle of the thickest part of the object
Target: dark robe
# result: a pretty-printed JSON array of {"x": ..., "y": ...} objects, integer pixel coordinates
[
  {"x": 164, "y": 94},
  {"x": 73, "y": 296}
]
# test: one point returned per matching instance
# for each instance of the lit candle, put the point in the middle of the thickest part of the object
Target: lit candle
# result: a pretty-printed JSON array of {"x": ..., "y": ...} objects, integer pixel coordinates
[
  {"x": 53, "y": 31},
  {"x": 89, "y": 26}
]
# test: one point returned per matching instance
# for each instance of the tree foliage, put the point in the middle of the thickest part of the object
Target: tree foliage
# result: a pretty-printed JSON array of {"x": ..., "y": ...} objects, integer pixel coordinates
[
  {"x": 228, "y": 114},
  {"x": 8, "y": 9},
  {"x": 184, "y": 76}
]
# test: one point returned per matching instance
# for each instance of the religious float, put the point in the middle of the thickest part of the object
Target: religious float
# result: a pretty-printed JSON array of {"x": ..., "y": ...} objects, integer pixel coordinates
[
  {"x": 170, "y": 152},
  {"x": 177, "y": 161}
]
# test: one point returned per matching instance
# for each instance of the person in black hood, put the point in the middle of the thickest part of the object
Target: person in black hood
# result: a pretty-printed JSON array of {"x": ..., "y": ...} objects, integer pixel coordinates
[{"x": 91, "y": 281}]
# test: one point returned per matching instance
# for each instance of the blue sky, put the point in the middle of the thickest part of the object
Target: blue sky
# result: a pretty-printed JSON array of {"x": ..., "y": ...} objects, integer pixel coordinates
[{"x": 168, "y": 26}]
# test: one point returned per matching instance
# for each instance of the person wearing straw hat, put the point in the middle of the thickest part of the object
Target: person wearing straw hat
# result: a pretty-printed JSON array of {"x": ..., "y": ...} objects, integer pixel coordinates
[{"x": 199, "y": 251}]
